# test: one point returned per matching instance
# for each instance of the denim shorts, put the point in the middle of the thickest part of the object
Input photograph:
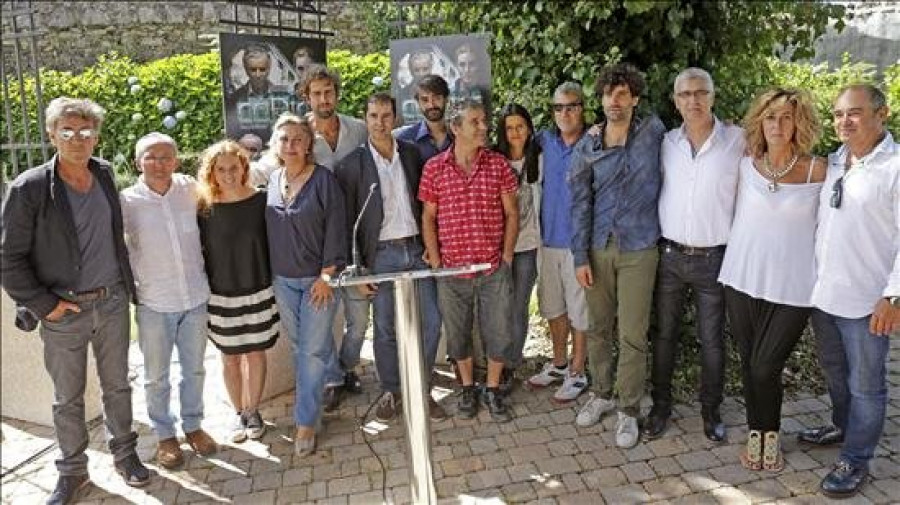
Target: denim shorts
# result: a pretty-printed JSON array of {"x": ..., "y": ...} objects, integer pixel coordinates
[{"x": 493, "y": 294}]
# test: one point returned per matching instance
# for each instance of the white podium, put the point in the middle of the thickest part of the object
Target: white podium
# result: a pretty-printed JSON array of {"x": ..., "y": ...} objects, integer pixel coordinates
[{"x": 413, "y": 376}]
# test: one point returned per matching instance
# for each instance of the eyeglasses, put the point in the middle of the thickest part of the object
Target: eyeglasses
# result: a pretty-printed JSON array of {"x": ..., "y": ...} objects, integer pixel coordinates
[
  {"x": 157, "y": 159},
  {"x": 68, "y": 134},
  {"x": 699, "y": 94},
  {"x": 837, "y": 192},
  {"x": 568, "y": 107}
]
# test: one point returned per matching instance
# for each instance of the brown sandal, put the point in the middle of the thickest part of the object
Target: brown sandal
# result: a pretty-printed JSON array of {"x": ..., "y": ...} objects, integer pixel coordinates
[
  {"x": 751, "y": 457},
  {"x": 773, "y": 461}
]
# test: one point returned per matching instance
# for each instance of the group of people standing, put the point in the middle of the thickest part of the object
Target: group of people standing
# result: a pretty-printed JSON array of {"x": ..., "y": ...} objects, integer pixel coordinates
[{"x": 607, "y": 221}]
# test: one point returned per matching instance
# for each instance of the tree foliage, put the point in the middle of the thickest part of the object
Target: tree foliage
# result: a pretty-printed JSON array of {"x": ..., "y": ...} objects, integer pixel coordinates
[{"x": 554, "y": 41}]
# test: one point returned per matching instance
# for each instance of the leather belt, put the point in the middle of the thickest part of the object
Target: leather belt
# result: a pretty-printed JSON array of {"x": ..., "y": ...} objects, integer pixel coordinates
[
  {"x": 91, "y": 295},
  {"x": 690, "y": 250},
  {"x": 412, "y": 239}
]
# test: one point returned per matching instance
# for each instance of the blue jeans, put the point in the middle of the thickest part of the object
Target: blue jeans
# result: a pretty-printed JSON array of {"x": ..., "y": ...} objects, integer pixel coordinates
[
  {"x": 854, "y": 362},
  {"x": 310, "y": 332},
  {"x": 158, "y": 334},
  {"x": 524, "y": 273},
  {"x": 104, "y": 326},
  {"x": 356, "y": 320},
  {"x": 403, "y": 256}
]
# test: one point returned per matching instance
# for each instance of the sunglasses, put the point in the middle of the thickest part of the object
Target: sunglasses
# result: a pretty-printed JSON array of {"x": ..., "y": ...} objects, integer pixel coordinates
[
  {"x": 68, "y": 134},
  {"x": 837, "y": 192},
  {"x": 568, "y": 107}
]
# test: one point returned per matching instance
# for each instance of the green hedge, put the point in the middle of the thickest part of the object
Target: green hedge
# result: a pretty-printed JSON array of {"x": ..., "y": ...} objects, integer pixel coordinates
[{"x": 189, "y": 87}]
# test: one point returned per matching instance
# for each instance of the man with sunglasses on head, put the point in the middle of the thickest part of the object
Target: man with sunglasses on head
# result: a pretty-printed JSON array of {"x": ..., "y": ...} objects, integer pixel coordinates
[
  {"x": 700, "y": 162},
  {"x": 560, "y": 297},
  {"x": 857, "y": 291},
  {"x": 65, "y": 264}
]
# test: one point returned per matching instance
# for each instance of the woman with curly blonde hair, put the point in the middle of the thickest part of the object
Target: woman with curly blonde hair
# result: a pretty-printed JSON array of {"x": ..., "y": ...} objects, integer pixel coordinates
[
  {"x": 243, "y": 320},
  {"x": 768, "y": 269}
]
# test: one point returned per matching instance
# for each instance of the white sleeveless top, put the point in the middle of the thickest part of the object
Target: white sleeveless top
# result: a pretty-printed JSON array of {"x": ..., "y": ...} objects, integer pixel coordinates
[{"x": 771, "y": 250}]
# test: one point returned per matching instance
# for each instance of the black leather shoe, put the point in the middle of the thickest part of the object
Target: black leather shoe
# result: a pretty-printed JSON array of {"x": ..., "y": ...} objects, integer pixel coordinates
[
  {"x": 844, "y": 481},
  {"x": 822, "y": 435},
  {"x": 331, "y": 399},
  {"x": 656, "y": 423},
  {"x": 352, "y": 384},
  {"x": 713, "y": 427},
  {"x": 68, "y": 487},
  {"x": 133, "y": 471}
]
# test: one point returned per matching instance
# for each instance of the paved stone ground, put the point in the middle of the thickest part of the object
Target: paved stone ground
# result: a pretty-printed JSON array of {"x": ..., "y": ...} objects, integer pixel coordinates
[{"x": 540, "y": 457}]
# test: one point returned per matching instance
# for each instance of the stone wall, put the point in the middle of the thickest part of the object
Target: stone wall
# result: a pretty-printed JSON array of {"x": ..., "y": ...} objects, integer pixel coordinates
[
  {"x": 76, "y": 33},
  {"x": 872, "y": 35}
]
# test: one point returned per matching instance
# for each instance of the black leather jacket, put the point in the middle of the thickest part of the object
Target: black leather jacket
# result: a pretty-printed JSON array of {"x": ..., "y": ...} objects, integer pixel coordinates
[{"x": 39, "y": 253}]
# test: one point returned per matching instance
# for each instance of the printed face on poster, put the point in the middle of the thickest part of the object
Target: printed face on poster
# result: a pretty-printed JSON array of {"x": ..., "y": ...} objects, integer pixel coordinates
[
  {"x": 462, "y": 60},
  {"x": 260, "y": 80}
]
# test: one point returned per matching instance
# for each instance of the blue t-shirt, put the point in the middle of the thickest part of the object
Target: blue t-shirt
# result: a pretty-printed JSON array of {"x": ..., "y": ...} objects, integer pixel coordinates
[{"x": 556, "y": 204}]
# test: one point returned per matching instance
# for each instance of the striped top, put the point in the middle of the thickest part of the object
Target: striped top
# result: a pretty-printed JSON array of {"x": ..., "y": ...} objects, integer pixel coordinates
[{"x": 242, "y": 312}]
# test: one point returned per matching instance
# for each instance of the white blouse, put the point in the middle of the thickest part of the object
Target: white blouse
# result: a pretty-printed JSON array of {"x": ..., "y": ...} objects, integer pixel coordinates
[{"x": 771, "y": 250}]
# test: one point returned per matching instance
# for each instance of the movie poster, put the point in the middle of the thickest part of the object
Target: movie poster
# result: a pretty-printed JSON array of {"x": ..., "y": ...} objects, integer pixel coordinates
[
  {"x": 460, "y": 59},
  {"x": 260, "y": 79}
]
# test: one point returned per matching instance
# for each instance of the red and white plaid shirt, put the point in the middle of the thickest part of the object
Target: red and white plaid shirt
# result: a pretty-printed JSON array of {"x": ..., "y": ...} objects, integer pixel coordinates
[{"x": 470, "y": 217}]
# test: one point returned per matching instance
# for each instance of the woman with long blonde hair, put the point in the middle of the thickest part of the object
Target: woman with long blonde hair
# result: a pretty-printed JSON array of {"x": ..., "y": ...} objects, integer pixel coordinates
[
  {"x": 768, "y": 268},
  {"x": 243, "y": 320}
]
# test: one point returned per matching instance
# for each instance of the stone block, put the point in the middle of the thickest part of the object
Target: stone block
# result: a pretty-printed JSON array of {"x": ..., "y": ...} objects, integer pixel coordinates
[{"x": 27, "y": 391}]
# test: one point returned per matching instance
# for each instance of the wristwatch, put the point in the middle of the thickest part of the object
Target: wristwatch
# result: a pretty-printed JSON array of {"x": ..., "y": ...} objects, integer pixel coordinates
[
  {"x": 325, "y": 278},
  {"x": 894, "y": 301}
]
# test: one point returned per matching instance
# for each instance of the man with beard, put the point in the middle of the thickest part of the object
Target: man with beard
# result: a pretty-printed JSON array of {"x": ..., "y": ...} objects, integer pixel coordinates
[
  {"x": 615, "y": 180},
  {"x": 337, "y": 136},
  {"x": 430, "y": 135}
]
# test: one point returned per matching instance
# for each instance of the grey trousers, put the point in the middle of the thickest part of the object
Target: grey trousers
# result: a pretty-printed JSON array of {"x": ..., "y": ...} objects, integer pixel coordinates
[{"x": 105, "y": 325}]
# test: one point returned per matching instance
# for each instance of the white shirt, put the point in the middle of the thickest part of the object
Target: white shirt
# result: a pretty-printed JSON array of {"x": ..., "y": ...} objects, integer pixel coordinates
[
  {"x": 398, "y": 221},
  {"x": 772, "y": 245},
  {"x": 351, "y": 134},
  {"x": 696, "y": 203},
  {"x": 163, "y": 243},
  {"x": 858, "y": 244}
]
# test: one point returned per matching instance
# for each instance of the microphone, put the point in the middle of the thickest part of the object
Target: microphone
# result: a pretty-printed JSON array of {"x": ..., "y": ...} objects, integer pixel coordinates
[{"x": 356, "y": 268}]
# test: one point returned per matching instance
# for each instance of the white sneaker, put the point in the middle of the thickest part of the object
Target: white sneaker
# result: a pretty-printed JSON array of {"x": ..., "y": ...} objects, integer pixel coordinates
[
  {"x": 256, "y": 428},
  {"x": 573, "y": 385},
  {"x": 626, "y": 431},
  {"x": 239, "y": 428},
  {"x": 593, "y": 410},
  {"x": 548, "y": 375}
]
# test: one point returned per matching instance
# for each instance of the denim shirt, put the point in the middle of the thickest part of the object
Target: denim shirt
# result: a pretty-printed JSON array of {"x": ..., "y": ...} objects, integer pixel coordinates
[{"x": 615, "y": 191}]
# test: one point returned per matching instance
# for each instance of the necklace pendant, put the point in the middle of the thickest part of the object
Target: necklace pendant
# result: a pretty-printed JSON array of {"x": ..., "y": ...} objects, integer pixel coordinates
[{"x": 773, "y": 187}]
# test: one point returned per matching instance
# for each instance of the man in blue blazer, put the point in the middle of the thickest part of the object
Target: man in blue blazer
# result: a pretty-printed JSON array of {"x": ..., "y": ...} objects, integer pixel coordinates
[{"x": 388, "y": 239}]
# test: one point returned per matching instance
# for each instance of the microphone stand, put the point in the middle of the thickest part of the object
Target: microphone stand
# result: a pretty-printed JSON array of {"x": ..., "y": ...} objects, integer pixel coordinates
[{"x": 356, "y": 268}]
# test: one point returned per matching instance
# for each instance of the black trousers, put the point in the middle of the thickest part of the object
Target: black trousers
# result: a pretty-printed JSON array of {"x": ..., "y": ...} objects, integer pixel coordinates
[
  {"x": 676, "y": 273},
  {"x": 765, "y": 334}
]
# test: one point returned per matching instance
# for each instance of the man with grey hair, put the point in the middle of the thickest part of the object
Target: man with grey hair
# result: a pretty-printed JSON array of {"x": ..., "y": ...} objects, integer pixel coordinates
[
  {"x": 560, "y": 297},
  {"x": 163, "y": 239},
  {"x": 700, "y": 161},
  {"x": 65, "y": 265},
  {"x": 471, "y": 216},
  {"x": 857, "y": 291}
]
